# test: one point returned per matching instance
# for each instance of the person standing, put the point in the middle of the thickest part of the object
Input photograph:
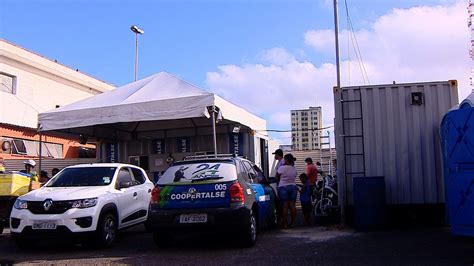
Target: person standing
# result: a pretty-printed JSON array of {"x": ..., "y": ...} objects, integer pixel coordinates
[
  {"x": 43, "y": 177},
  {"x": 312, "y": 173},
  {"x": 274, "y": 181},
  {"x": 2, "y": 166},
  {"x": 287, "y": 189},
  {"x": 29, "y": 166},
  {"x": 279, "y": 157},
  {"x": 54, "y": 172},
  {"x": 305, "y": 198}
]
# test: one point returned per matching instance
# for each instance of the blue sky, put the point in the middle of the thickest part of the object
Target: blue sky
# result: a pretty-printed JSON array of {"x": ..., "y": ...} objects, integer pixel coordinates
[{"x": 195, "y": 39}]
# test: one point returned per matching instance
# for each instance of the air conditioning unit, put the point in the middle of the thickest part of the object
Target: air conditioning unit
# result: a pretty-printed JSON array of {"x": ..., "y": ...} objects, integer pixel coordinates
[{"x": 6, "y": 145}]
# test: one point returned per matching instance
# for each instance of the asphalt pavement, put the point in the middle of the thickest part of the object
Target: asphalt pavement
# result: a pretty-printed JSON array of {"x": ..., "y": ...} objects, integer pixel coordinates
[{"x": 296, "y": 246}]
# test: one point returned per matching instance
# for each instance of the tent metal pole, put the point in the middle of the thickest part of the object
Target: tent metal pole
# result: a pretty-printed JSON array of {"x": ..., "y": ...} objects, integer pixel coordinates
[
  {"x": 214, "y": 130},
  {"x": 40, "y": 152}
]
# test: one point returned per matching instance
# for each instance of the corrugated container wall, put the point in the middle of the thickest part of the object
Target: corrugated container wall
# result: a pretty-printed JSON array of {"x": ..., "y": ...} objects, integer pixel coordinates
[{"x": 393, "y": 131}]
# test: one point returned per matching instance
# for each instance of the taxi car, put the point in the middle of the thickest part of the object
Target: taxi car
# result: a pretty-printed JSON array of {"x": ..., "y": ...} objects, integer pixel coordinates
[
  {"x": 89, "y": 201},
  {"x": 224, "y": 192}
]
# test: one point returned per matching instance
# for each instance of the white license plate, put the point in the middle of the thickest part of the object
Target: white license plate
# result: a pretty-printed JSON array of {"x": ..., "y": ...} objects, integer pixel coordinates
[
  {"x": 44, "y": 225},
  {"x": 193, "y": 218}
]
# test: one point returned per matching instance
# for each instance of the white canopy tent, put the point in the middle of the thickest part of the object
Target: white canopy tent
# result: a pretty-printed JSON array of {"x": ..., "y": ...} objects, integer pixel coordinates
[
  {"x": 159, "y": 107},
  {"x": 161, "y": 101}
]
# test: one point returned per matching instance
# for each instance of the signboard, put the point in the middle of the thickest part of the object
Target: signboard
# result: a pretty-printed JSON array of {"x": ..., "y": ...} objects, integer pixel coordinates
[
  {"x": 111, "y": 152},
  {"x": 236, "y": 143},
  {"x": 184, "y": 144},
  {"x": 159, "y": 146}
]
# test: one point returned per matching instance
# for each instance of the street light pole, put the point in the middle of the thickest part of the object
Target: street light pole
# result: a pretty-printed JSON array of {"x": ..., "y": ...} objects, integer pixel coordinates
[
  {"x": 341, "y": 179},
  {"x": 137, "y": 31}
]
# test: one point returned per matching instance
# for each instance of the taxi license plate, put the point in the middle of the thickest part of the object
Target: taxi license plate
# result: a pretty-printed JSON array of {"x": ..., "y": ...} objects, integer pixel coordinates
[
  {"x": 193, "y": 218},
  {"x": 44, "y": 225}
]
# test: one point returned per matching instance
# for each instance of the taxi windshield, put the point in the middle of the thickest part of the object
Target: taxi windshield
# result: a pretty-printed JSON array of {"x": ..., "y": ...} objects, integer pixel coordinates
[
  {"x": 83, "y": 177},
  {"x": 208, "y": 172}
]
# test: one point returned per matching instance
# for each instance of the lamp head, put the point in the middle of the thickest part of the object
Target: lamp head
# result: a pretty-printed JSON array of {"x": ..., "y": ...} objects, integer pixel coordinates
[{"x": 136, "y": 29}]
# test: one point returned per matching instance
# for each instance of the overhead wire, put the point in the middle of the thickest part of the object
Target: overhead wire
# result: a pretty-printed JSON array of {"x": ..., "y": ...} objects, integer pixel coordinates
[
  {"x": 290, "y": 130},
  {"x": 355, "y": 44}
]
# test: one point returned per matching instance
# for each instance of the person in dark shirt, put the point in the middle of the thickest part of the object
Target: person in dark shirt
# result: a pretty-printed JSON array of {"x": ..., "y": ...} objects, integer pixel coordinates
[
  {"x": 43, "y": 177},
  {"x": 305, "y": 198},
  {"x": 54, "y": 171}
]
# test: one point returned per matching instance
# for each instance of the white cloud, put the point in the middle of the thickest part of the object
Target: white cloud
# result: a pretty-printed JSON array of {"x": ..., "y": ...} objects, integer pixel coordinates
[
  {"x": 273, "y": 90},
  {"x": 321, "y": 40},
  {"x": 408, "y": 45},
  {"x": 278, "y": 56},
  {"x": 405, "y": 45}
]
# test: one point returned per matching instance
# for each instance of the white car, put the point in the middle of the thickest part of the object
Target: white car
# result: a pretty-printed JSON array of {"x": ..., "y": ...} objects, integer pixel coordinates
[{"x": 89, "y": 201}]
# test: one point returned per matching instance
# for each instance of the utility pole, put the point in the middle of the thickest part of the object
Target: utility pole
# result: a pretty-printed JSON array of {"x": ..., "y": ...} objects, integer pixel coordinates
[
  {"x": 341, "y": 176},
  {"x": 336, "y": 32}
]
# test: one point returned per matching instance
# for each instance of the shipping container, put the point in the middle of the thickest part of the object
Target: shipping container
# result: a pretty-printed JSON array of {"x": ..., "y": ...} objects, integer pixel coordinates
[{"x": 393, "y": 131}]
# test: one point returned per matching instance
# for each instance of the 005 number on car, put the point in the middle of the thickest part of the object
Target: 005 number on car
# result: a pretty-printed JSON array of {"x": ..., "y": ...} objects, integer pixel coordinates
[{"x": 220, "y": 187}]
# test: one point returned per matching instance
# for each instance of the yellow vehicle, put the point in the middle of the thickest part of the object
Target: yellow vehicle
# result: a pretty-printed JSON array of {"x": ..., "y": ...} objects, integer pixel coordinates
[{"x": 12, "y": 185}]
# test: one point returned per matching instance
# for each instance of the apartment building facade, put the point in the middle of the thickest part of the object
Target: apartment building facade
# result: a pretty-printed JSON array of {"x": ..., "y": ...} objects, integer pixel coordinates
[{"x": 305, "y": 126}]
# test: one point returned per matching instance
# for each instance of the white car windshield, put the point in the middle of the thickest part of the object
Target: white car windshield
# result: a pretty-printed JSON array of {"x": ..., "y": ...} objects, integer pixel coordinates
[
  {"x": 209, "y": 172},
  {"x": 83, "y": 177}
]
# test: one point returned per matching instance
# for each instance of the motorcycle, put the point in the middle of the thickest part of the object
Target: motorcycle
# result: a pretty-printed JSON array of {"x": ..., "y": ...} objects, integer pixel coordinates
[{"x": 325, "y": 197}]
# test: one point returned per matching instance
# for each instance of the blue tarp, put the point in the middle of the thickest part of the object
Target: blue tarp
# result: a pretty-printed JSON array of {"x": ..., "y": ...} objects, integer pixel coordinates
[{"x": 457, "y": 133}]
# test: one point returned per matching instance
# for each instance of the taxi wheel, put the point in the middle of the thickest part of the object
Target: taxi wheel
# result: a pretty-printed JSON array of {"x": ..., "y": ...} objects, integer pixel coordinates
[
  {"x": 249, "y": 237},
  {"x": 106, "y": 230}
]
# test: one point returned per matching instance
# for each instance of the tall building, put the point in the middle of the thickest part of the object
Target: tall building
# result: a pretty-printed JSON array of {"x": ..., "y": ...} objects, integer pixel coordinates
[{"x": 304, "y": 128}]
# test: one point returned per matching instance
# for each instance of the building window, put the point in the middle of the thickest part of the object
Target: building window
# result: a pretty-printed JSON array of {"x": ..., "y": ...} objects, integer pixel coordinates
[
  {"x": 7, "y": 83},
  {"x": 31, "y": 148},
  {"x": 19, "y": 147}
]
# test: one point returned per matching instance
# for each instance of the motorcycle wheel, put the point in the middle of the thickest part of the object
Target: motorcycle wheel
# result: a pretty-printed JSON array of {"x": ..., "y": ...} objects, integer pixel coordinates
[{"x": 322, "y": 207}]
